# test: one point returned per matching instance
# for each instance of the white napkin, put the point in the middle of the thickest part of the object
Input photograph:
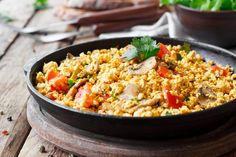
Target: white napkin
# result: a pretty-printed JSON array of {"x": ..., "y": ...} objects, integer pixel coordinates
[{"x": 166, "y": 25}]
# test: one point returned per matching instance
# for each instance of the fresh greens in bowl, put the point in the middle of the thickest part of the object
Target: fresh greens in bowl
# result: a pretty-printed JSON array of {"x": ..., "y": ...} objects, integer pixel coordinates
[{"x": 205, "y": 5}]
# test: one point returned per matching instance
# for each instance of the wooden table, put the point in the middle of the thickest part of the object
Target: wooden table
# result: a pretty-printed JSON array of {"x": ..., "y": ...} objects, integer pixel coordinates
[{"x": 15, "y": 50}]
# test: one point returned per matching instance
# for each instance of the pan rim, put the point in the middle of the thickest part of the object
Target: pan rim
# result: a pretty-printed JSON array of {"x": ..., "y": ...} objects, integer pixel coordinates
[{"x": 94, "y": 114}]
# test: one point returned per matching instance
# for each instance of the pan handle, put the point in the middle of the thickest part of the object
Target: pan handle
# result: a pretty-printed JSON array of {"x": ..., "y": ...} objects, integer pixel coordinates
[{"x": 29, "y": 64}]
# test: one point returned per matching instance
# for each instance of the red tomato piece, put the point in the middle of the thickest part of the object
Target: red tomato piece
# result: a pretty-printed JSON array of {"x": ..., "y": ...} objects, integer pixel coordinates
[
  {"x": 51, "y": 74},
  {"x": 84, "y": 93},
  {"x": 172, "y": 100},
  {"x": 105, "y": 96},
  {"x": 163, "y": 50},
  {"x": 163, "y": 71},
  {"x": 50, "y": 96},
  {"x": 216, "y": 68},
  {"x": 59, "y": 84},
  {"x": 225, "y": 73}
]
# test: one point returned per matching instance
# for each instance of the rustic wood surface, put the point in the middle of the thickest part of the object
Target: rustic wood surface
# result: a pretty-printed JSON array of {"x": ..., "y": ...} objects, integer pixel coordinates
[{"x": 15, "y": 50}]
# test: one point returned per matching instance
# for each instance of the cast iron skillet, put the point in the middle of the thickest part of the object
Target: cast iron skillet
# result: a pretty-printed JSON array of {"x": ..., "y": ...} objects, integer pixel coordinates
[{"x": 128, "y": 127}]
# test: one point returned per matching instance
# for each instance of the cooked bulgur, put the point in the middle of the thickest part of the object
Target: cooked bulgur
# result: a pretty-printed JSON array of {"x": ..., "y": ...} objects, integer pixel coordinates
[{"x": 176, "y": 81}]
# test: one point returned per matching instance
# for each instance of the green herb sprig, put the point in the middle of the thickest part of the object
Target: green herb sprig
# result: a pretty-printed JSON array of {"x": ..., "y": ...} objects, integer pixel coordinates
[
  {"x": 71, "y": 82},
  {"x": 207, "y": 5},
  {"x": 168, "y": 113},
  {"x": 144, "y": 48},
  {"x": 186, "y": 47},
  {"x": 40, "y": 4}
]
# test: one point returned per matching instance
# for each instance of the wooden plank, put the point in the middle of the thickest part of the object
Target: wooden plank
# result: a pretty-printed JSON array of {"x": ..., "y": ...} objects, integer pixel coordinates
[
  {"x": 32, "y": 146},
  {"x": 13, "y": 91},
  {"x": 21, "y": 13},
  {"x": 18, "y": 135}
]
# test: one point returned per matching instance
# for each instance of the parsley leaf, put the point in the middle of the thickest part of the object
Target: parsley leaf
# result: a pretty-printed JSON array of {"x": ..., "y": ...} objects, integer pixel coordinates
[
  {"x": 141, "y": 49},
  {"x": 186, "y": 47},
  {"x": 40, "y": 4},
  {"x": 103, "y": 92},
  {"x": 89, "y": 76},
  {"x": 168, "y": 113},
  {"x": 187, "y": 98},
  {"x": 135, "y": 100},
  {"x": 179, "y": 57},
  {"x": 114, "y": 95},
  {"x": 146, "y": 47},
  {"x": 71, "y": 82}
]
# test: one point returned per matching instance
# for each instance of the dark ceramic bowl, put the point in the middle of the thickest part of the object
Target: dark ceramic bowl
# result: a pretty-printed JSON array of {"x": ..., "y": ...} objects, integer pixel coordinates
[{"x": 214, "y": 27}]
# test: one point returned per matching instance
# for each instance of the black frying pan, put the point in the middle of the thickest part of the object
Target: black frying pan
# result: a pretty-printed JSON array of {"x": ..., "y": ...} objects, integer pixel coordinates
[{"x": 128, "y": 127}]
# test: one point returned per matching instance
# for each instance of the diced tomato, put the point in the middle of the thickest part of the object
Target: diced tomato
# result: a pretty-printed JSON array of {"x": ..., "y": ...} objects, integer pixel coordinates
[
  {"x": 162, "y": 71},
  {"x": 163, "y": 50},
  {"x": 59, "y": 84},
  {"x": 225, "y": 73},
  {"x": 84, "y": 93},
  {"x": 172, "y": 100},
  {"x": 51, "y": 74},
  {"x": 50, "y": 96},
  {"x": 105, "y": 96},
  {"x": 216, "y": 68}
]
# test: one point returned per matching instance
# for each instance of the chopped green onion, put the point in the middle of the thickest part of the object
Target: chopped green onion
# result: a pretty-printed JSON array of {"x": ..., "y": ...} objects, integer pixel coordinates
[
  {"x": 187, "y": 98},
  {"x": 179, "y": 57},
  {"x": 186, "y": 47},
  {"x": 71, "y": 82},
  {"x": 168, "y": 113}
]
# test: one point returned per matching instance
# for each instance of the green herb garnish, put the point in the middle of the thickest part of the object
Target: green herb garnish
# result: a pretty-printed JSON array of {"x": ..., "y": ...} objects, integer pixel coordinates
[
  {"x": 208, "y": 5},
  {"x": 71, "y": 82},
  {"x": 187, "y": 98},
  {"x": 40, "y": 4},
  {"x": 6, "y": 19},
  {"x": 146, "y": 47},
  {"x": 136, "y": 99},
  {"x": 103, "y": 92},
  {"x": 89, "y": 76},
  {"x": 186, "y": 47},
  {"x": 143, "y": 48},
  {"x": 179, "y": 57},
  {"x": 168, "y": 113},
  {"x": 114, "y": 95}
]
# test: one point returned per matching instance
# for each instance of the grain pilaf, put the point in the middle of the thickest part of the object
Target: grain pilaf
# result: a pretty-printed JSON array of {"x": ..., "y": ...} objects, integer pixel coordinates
[{"x": 131, "y": 82}]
